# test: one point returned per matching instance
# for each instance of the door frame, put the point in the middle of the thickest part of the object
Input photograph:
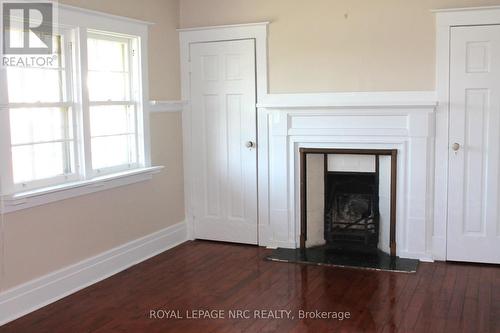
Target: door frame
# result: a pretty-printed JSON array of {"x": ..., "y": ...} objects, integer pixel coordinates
[
  {"x": 187, "y": 36},
  {"x": 446, "y": 19}
]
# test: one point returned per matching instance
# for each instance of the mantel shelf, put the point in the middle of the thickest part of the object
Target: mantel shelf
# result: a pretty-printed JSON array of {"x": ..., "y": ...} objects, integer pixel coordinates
[{"x": 390, "y": 99}]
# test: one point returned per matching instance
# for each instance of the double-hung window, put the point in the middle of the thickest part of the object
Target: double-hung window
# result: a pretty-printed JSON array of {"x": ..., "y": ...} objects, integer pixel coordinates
[
  {"x": 78, "y": 117},
  {"x": 112, "y": 91},
  {"x": 42, "y": 119}
]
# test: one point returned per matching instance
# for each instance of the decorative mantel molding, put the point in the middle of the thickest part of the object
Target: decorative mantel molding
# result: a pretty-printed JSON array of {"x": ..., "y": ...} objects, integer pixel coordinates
[
  {"x": 384, "y": 99},
  {"x": 349, "y": 123}
]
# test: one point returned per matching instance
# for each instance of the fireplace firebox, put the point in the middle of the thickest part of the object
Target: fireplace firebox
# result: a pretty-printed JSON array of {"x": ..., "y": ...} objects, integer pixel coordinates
[
  {"x": 351, "y": 207},
  {"x": 353, "y": 217},
  {"x": 351, "y": 211}
]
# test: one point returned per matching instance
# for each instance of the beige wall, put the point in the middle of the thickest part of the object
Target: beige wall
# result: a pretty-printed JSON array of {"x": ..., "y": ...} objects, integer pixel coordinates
[
  {"x": 164, "y": 72},
  {"x": 338, "y": 45},
  {"x": 46, "y": 238}
]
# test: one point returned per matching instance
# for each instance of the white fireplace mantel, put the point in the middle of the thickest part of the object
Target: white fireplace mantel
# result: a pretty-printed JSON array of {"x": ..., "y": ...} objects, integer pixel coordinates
[
  {"x": 380, "y": 99},
  {"x": 286, "y": 125}
]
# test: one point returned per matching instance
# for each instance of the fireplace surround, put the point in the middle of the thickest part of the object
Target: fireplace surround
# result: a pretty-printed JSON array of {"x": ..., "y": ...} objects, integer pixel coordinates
[{"x": 285, "y": 128}]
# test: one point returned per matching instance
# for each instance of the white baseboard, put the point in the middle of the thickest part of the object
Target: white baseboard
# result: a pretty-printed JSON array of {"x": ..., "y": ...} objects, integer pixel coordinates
[
  {"x": 439, "y": 247},
  {"x": 30, "y": 296},
  {"x": 421, "y": 256},
  {"x": 282, "y": 244}
]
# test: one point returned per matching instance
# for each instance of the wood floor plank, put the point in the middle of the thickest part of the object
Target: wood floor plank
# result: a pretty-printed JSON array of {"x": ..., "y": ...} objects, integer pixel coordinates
[{"x": 440, "y": 297}]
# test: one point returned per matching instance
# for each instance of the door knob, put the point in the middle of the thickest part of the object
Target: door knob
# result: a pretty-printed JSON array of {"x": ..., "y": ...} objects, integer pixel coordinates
[
  {"x": 250, "y": 144},
  {"x": 455, "y": 146}
]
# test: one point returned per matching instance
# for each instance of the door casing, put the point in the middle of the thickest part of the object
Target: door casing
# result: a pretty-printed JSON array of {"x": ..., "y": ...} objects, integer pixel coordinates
[
  {"x": 445, "y": 20},
  {"x": 473, "y": 158},
  {"x": 256, "y": 31}
]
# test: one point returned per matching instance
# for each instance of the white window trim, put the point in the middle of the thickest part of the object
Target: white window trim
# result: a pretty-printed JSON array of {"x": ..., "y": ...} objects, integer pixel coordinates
[
  {"x": 29, "y": 199},
  {"x": 81, "y": 19}
]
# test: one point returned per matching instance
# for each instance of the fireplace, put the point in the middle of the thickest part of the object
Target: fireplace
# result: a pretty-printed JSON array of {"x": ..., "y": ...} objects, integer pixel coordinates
[
  {"x": 348, "y": 210},
  {"x": 329, "y": 124},
  {"x": 351, "y": 211}
]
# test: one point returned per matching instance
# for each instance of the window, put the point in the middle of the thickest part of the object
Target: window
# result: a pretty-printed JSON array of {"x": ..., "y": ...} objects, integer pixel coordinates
[
  {"x": 41, "y": 120},
  {"x": 78, "y": 117},
  {"x": 111, "y": 90}
]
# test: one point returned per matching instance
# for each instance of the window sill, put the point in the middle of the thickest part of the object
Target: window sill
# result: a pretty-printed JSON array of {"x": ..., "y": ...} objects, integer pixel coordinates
[{"x": 47, "y": 195}]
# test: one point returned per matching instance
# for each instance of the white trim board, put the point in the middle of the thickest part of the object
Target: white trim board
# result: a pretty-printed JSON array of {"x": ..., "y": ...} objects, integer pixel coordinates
[
  {"x": 19, "y": 201},
  {"x": 47, "y": 289},
  {"x": 351, "y": 99},
  {"x": 213, "y": 27},
  {"x": 165, "y": 106},
  {"x": 445, "y": 20},
  {"x": 464, "y": 9},
  {"x": 102, "y": 14}
]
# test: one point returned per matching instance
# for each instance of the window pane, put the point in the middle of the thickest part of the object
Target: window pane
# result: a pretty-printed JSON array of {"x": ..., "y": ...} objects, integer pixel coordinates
[
  {"x": 40, "y": 161},
  {"x": 55, "y": 61},
  {"x": 109, "y": 75},
  {"x": 108, "y": 86},
  {"x": 107, "y": 55},
  {"x": 113, "y": 119},
  {"x": 40, "y": 81},
  {"x": 16, "y": 34},
  {"x": 29, "y": 125},
  {"x": 28, "y": 85},
  {"x": 112, "y": 151}
]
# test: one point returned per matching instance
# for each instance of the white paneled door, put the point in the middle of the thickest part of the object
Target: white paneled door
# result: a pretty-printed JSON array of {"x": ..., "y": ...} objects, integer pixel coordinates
[
  {"x": 473, "y": 204},
  {"x": 223, "y": 108}
]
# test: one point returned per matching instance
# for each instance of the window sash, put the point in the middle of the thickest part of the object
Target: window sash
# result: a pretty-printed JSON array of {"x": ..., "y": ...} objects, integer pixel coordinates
[
  {"x": 68, "y": 136},
  {"x": 65, "y": 68},
  {"x": 135, "y": 133},
  {"x": 131, "y": 62},
  {"x": 53, "y": 180}
]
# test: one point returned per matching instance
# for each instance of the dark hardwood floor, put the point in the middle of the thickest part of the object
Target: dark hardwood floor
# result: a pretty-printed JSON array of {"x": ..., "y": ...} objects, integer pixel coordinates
[{"x": 440, "y": 297}]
